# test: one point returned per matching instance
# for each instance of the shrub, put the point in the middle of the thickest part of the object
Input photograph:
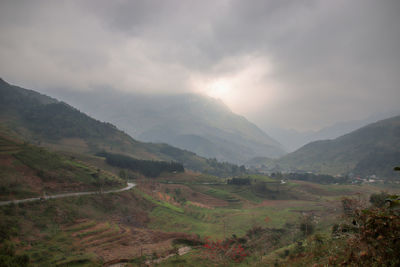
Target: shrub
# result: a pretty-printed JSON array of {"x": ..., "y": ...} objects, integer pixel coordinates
[
  {"x": 222, "y": 251},
  {"x": 377, "y": 241},
  {"x": 378, "y": 200}
]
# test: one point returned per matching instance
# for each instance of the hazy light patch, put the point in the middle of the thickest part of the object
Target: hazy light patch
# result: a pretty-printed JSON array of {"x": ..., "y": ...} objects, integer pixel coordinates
[
  {"x": 245, "y": 88},
  {"x": 219, "y": 89}
]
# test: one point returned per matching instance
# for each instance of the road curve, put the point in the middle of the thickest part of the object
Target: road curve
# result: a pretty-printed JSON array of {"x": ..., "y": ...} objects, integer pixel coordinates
[{"x": 3, "y": 203}]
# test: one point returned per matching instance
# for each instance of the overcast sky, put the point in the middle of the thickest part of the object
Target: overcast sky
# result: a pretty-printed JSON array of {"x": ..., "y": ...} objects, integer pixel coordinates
[{"x": 295, "y": 64}]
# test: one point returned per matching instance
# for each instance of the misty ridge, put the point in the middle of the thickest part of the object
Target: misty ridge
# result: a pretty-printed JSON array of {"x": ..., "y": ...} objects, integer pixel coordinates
[
  {"x": 194, "y": 122},
  {"x": 207, "y": 127}
]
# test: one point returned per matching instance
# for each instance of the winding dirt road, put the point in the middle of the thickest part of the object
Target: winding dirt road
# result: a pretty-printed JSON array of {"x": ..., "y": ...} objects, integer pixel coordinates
[{"x": 3, "y": 203}]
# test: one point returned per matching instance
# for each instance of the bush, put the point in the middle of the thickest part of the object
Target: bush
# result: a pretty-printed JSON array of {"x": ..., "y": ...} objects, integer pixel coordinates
[
  {"x": 379, "y": 200},
  {"x": 8, "y": 257},
  {"x": 377, "y": 241},
  {"x": 224, "y": 251},
  {"x": 307, "y": 225}
]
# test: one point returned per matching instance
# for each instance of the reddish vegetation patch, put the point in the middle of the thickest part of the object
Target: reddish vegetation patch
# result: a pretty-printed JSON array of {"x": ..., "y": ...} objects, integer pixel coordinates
[{"x": 218, "y": 251}]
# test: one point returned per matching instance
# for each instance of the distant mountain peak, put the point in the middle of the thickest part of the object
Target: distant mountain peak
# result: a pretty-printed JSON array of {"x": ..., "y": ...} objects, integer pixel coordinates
[{"x": 194, "y": 122}]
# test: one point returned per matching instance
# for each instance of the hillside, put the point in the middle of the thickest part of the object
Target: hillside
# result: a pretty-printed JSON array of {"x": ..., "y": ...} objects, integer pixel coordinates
[
  {"x": 373, "y": 149},
  {"x": 292, "y": 139},
  {"x": 194, "y": 122},
  {"x": 48, "y": 122},
  {"x": 27, "y": 170}
]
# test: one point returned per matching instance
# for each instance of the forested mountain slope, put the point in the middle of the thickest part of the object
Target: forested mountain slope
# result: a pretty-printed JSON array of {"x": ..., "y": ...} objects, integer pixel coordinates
[
  {"x": 373, "y": 149},
  {"x": 46, "y": 121}
]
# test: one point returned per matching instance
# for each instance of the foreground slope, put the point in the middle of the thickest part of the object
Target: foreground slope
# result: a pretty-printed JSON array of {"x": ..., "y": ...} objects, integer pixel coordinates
[
  {"x": 373, "y": 149},
  {"x": 198, "y": 123},
  {"x": 30, "y": 171},
  {"x": 48, "y": 122}
]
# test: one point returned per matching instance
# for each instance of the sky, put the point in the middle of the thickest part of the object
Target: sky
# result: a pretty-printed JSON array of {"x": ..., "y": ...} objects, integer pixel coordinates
[{"x": 300, "y": 64}]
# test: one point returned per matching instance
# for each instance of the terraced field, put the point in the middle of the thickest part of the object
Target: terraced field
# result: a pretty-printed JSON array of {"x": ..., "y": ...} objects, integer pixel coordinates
[
  {"x": 8, "y": 147},
  {"x": 111, "y": 241}
]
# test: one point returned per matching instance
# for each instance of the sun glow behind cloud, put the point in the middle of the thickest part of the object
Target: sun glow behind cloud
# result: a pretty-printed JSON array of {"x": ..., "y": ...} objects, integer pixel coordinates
[
  {"x": 247, "y": 88},
  {"x": 219, "y": 89}
]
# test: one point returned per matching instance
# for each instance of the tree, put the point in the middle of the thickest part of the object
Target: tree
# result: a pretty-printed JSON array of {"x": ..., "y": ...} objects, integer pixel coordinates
[
  {"x": 122, "y": 174},
  {"x": 379, "y": 200},
  {"x": 307, "y": 225}
]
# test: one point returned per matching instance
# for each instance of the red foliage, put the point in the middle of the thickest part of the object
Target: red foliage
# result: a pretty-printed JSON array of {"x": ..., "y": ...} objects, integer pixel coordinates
[{"x": 219, "y": 250}]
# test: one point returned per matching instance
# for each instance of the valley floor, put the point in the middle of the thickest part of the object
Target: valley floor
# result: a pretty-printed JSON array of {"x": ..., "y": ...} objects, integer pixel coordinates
[{"x": 156, "y": 219}]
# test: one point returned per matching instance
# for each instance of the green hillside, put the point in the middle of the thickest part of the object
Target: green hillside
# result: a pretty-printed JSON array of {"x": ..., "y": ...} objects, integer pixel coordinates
[
  {"x": 47, "y": 122},
  {"x": 373, "y": 149},
  {"x": 27, "y": 170}
]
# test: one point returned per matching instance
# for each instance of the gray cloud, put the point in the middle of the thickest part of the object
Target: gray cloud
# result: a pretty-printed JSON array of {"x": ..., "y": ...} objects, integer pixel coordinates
[{"x": 301, "y": 64}]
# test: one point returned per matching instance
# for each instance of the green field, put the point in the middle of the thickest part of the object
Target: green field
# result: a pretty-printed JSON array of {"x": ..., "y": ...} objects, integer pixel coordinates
[{"x": 73, "y": 231}]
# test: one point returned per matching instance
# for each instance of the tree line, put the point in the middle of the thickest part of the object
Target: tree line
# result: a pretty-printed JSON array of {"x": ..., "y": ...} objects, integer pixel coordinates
[{"x": 148, "y": 168}]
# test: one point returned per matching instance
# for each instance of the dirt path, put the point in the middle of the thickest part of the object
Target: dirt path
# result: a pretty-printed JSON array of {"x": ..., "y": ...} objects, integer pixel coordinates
[
  {"x": 3, "y": 203},
  {"x": 181, "y": 251}
]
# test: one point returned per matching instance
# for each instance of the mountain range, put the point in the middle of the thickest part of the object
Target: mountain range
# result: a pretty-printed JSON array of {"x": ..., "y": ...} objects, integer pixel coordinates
[
  {"x": 45, "y": 121},
  {"x": 292, "y": 139},
  {"x": 372, "y": 149},
  {"x": 193, "y": 122},
  {"x": 196, "y": 122}
]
